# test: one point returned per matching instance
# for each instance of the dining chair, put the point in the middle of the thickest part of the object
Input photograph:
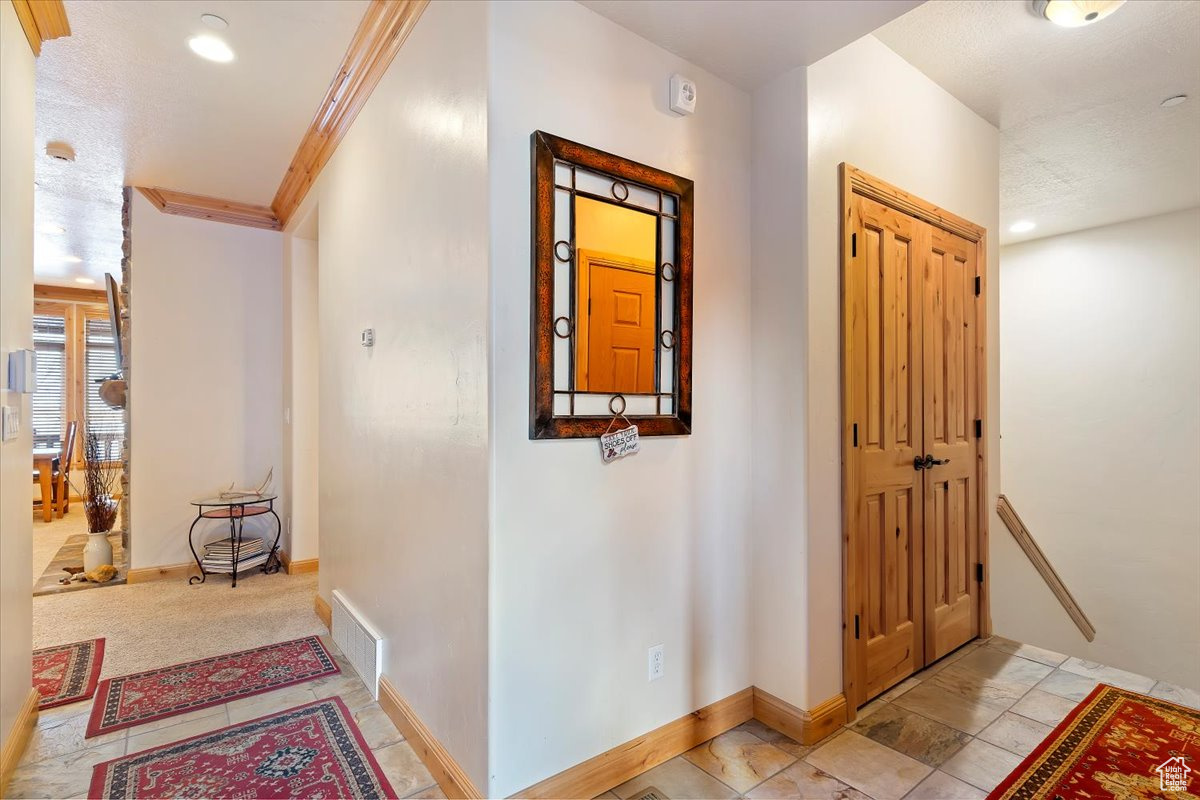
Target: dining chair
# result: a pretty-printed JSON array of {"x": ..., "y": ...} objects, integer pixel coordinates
[{"x": 59, "y": 478}]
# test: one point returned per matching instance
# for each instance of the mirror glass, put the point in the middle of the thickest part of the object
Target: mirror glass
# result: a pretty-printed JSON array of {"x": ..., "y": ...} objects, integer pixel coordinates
[{"x": 616, "y": 298}]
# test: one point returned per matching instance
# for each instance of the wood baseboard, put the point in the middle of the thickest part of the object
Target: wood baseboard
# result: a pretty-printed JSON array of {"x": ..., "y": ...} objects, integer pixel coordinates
[
  {"x": 18, "y": 739},
  {"x": 298, "y": 567},
  {"x": 144, "y": 574},
  {"x": 452, "y": 779},
  {"x": 323, "y": 611},
  {"x": 612, "y": 768},
  {"x": 806, "y": 727}
]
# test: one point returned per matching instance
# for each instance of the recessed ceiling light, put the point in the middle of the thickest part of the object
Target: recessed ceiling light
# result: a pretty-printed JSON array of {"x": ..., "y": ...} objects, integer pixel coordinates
[
  {"x": 1076, "y": 13},
  {"x": 1024, "y": 226},
  {"x": 214, "y": 22},
  {"x": 87, "y": 281},
  {"x": 1173, "y": 101},
  {"x": 72, "y": 259},
  {"x": 211, "y": 47},
  {"x": 52, "y": 230}
]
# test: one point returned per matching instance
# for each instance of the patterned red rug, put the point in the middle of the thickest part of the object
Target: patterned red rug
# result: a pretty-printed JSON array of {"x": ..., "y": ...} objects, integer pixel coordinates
[
  {"x": 1113, "y": 744},
  {"x": 67, "y": 673},
  {"x": 147, "y": 696},
  {"x": 312, "y": 751}
]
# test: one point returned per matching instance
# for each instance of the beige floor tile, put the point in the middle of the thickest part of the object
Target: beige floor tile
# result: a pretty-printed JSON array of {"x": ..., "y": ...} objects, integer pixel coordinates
[
  {"x": 899, "y": 689},
  {"x": 403, "y": 768},
  {"x": 940, "y": 786},
  {"x": 739, "y": 759},
  {"x": 679, "y": 779},
  {"x": 1068, "y": 684},
  {"x": 1110, "y": 675},
  {"x": 982, "y": 765},
  {"x": 177, "y": 733},
  {"x": 803, "y": 780},
  {"x": 911, "y": 734},
  {"x": 377, "y": 728},
  {"x": 1015, "y": 733},
  {"x": 1038, "y": 654},
  {"x": 64, "y": 776},
  {"x": 260, "y": 705},
  {"x": 868, "y": 766},
  {"x": 1176, "y": 694},
  {"x": 771, "y": 736},
  {"x": 53, "y": 716},
  {"x": 167, "y": 722},
  {"x": 993, "y": 664},
  {"x": 58, "y": 736},
  {"x": 433, "y": 793},
  {"x": 1048, "y": 709},
  {"x": 961, "y": 699}
]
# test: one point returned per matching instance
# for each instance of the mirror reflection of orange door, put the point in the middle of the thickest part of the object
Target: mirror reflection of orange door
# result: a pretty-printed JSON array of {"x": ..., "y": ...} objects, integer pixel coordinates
[{"x": 620, "y": 330}]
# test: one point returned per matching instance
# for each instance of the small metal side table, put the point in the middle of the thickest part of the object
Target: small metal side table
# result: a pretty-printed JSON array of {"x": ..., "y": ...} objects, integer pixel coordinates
[{"x": 236, "y": 509}]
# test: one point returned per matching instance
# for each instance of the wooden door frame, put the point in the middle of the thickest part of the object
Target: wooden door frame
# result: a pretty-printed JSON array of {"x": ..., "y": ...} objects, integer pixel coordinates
[{"x": 854, "y": 181}]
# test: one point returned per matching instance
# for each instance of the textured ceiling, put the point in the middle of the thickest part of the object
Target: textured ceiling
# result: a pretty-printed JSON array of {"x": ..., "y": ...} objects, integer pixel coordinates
[
  {"x": 1083, "y": 139},
  {"x": 748, "y": 42},
  {"x": 140, "y": 108}
]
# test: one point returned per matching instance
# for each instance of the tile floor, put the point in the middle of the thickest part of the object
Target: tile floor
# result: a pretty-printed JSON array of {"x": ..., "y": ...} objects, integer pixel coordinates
[
  {"x": 951, "y": 732},
  {"x": 58, "y": 762}
]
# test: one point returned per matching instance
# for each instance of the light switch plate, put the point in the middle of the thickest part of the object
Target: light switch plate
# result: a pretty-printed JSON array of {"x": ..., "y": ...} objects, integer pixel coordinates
[{"x": 12, "y": 423}]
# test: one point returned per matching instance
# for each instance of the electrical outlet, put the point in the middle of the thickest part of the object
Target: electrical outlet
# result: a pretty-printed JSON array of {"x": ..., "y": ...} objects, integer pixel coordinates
[{"x": 657, "y": 667}]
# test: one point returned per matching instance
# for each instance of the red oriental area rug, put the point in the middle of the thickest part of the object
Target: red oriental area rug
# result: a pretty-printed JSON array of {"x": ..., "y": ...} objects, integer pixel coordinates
[
  {"x": 1113, "y": 744},
  {"x": 67, "y": 673},
  {"x": 311, "y": 751},
  {"x": 147, "y": 696}
]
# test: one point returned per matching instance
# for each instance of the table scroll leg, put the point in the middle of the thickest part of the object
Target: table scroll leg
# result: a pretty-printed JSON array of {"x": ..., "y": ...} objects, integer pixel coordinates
[
  {"x": 203, "y": 576},
  {"x": 235, "y": 522},
  {"x": 272, "y": 565}
]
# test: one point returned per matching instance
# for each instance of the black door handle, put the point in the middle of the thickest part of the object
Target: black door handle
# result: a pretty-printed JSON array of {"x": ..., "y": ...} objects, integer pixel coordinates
[
  {"x": 930, "y": 461},
  {"x": 918, "y": 463}
]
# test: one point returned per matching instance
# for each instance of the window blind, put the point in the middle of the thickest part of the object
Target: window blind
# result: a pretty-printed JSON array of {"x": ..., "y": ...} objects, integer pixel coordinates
[
  {"x": 49, "y": 343},
  {"x": 100, "y": 364}
]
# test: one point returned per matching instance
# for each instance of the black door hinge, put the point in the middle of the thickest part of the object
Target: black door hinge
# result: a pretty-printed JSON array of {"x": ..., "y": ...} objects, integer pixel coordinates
[
  {"x": 978, "y": 429},
  {"x": 979, "y": 572},
  {"x": 856, "y": 434},
  {"x": 856, "y": 626},
  {"x": 854, "y": 245},
  {"x": 977, "y": 286}
]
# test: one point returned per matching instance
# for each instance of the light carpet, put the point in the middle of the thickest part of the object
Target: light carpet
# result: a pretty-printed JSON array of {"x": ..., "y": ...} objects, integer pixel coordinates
[{"x": 163, "y": 622}]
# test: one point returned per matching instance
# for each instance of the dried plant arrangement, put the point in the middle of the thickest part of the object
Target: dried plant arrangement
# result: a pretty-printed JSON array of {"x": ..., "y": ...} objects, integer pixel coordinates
[{"x": 99, "y": 483}]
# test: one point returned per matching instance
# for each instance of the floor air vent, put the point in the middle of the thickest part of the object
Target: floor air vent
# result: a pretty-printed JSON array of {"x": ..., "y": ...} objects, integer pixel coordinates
[
  {"x": 358, "y": 641},
  {"x": 650, "y": 793}
]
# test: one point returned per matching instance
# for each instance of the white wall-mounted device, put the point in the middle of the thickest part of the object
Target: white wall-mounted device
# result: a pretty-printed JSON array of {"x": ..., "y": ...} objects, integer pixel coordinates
[
  {"x": 683, "y": 94},
  {"x": 12, "y": 423},
  {"x": 22, "y": 371},
  {"x": 368, "y": 337}
]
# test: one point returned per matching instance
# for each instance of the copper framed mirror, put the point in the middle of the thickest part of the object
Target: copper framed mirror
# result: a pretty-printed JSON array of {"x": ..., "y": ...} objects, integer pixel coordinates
[{"x": 612, "y": 294}]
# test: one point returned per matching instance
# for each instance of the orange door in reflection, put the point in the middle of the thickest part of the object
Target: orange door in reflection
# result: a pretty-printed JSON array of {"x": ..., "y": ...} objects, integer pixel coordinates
[{"x": 620, "y": 345}]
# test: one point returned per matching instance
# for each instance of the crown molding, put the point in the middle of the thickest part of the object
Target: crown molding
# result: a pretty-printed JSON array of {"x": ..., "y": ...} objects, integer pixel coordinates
[
  {"x": 383, "y": 30},
  {"x": 42, "y": 20},
  {"x": 211, "y": 208}
]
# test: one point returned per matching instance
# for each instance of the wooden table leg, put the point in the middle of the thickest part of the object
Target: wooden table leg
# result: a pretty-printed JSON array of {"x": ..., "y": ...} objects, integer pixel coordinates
[
  {"x": 62, "y": 495},
  {"x": 47, "y": 494}
]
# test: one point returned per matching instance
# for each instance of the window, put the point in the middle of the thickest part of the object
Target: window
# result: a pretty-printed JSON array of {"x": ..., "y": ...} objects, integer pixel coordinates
[
  {"x": 75, "y": 354},
  {"x": 50, "y": 399},
  {"x": 101, "y": 364}
]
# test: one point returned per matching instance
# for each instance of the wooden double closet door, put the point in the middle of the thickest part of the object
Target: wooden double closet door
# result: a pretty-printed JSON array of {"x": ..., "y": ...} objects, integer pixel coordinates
[{"x": 914, "y": 380}]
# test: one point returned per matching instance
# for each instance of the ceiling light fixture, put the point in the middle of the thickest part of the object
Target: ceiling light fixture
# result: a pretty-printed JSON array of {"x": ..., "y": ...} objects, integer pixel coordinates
[
  {"x": 72, "y": 260},
  {"x": 1024, "y": 226},
  {"x": 1075, "y": 13},
  {"x": 85, "y": 281},
  {"x": 211, "y": 47},
  {"x": 214, "y": 22},
  {"x": 51, "y": 230},
  {"x": 1174, "y": 100}
]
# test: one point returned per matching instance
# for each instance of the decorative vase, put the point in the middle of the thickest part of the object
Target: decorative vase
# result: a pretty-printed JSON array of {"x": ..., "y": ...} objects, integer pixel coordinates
[{"x": 97, "y": 552}]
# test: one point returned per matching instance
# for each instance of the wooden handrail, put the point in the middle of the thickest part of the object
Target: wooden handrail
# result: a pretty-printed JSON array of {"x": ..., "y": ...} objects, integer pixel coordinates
[{"x": 1042, "y": 564}]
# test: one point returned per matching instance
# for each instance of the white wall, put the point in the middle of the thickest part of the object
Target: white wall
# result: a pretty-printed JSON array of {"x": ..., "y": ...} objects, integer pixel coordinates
[
  {"x": 207, "y": 376},
  {"x": 404, "y": 425},
  {"x": 301, "y": 347},
  {"x": 592, "y": 564},
  {"x": 16, "y": 332},
  {"x": 1100, "y": 386},
  {"x": 870, "y": 108}
]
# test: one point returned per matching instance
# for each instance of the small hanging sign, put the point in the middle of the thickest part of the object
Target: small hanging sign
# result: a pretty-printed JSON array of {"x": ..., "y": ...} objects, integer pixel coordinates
[{"x": 619, "y": 443}]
